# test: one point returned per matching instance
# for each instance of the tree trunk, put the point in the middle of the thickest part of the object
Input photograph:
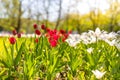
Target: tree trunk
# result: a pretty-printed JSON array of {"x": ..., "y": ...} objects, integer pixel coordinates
[
  {"x": 59, "y": 15},
  {"x": 19, "y": 18},
  {"x": 111, "y": 24}
]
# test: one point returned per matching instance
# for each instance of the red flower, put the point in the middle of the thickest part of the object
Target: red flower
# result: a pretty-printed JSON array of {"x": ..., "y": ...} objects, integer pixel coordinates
[
  {"x": 12, "y": 40},
  {"x": 52, "y": 32},
  {"x": 19, "y": 35},
  {"x": 62, "y": 31},
  {"x": 66, "y": 35},
  {"x": 55, "y": 36},
  {"x": 14, "y": 32},
  {"x": 35, "y": 26},
  {"x": 53, "y": 40},
  {"x": 43, "y": 27},
  {"x": 63, "y": 39},
  {"x": 37, "y": 32},
  {"x": 47, "y": 29},
  {"x": 55, "y": 31},
  {"x": 36, "y": 40},
  {"x": 53, "y": 43}
]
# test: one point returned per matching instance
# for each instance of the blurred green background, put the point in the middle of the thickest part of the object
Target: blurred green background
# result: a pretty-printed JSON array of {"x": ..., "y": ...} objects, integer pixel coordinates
[{"x": 75, "y": 15}]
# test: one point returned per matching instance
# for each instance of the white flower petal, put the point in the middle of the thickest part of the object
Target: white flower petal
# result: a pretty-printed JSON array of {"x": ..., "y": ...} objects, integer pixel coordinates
[{"x": 98, "y": 74}]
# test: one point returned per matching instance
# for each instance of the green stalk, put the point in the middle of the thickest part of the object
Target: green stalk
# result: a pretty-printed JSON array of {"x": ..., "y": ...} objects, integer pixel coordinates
[
  {"x": 12, "y": 54},
  {"x": 9, "y": 73}
]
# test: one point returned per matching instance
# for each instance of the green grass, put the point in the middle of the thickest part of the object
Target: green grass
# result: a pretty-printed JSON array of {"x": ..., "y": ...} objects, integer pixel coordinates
[{"x": 27, "y": 60}]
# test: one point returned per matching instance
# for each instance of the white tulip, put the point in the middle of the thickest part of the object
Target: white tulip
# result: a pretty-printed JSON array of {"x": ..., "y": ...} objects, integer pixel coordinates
[
  {"x": 90, "y": 50},
  {"x": 98, "y": 74},
  {"x": 73, "y": 39},
  {"x": 97, "y": 32}
]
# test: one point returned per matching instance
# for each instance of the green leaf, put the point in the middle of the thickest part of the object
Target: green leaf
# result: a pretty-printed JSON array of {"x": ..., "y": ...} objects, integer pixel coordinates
[
  {"x": 5, "y": 63},
  {"x": 5, "y": 47},
  {"x": 91, "y": 60},
  {"x": 6, "y": 52},
  {"x": 3, "y": 71},
  {"x": 18, "y": 57}
]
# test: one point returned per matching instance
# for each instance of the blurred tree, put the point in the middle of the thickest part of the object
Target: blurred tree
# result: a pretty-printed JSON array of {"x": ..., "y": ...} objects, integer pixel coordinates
[
  {"x": 59, "y": 14},
  {"x": 20, "y": 12},
  {"x": 46, "y": 5},
  {"x": 1, "y": 28},
  {"x": 113, "y": 13},
  {"x": 72, "y": 22},
  {"x": 13, "y": 13}
]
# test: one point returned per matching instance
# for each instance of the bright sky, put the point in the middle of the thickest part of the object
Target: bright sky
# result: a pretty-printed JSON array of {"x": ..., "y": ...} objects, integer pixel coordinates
[
  {"x": 87, "y": 4},
  {"x": 84, "y": 6}
]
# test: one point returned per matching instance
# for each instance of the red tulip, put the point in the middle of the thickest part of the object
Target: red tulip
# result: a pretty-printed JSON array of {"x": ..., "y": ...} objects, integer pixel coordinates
[
  {"x": 56, "y": 37},
  {"x": 12, "y": 40},
  {"x": 47, "y": 29},
  {"x": 19, "y": 35},
  {"x": 37, "y": 32},
  {"x": 36, "y": 40},
  {"x": 43, "y": 27},
  {"x": 62, "y": 31},
  {"x": 14, "y": 32},
  {"x": 35, "y": 26},
  {"x": 63, "y": 39},
  {"x": 52, "y": 32},
  {"x": 66, "y": 35},
  {"x": 53, "y": 43}
]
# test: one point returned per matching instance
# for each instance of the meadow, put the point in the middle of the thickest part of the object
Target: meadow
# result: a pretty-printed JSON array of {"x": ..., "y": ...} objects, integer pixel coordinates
[{"x": 60, "y": 55}]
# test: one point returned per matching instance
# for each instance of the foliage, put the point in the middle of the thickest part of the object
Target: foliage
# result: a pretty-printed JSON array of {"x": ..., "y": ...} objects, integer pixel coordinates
[
  {"x": 109, "y": 20},
  {"x": 28, "y": 60}
]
